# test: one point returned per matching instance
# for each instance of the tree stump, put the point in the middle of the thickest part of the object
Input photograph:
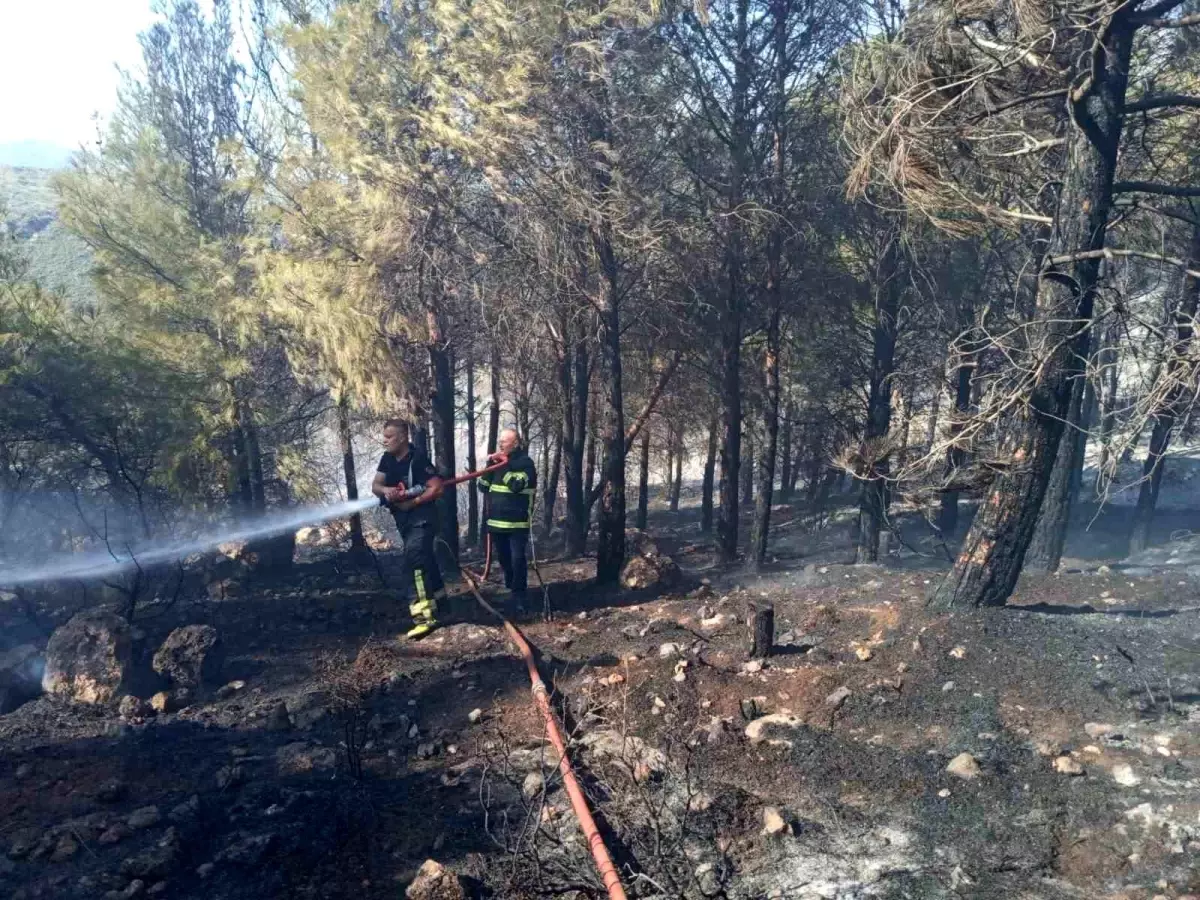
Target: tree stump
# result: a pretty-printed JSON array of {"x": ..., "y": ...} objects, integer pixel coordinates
[{"x": 762, "y": 630}]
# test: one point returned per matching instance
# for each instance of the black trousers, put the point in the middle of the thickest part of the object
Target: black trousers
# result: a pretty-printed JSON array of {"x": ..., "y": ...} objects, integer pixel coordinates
[
  {"x": 512, "y": 549},
  {"x": 421, "y": 573}
]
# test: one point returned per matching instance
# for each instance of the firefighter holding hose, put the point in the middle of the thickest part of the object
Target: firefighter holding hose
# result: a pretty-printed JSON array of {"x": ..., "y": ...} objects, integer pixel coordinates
[
  {"x": 510, "y": 491},
  {"x": 408, "y": 484}
]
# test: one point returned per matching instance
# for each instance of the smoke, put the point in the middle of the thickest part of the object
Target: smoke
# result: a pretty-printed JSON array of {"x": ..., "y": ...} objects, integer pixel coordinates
[{"x": 129, "y": 553}]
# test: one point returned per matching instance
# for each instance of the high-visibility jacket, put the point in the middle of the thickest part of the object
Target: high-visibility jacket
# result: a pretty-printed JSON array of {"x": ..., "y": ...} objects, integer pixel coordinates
[{"x": 510, "y": 493}]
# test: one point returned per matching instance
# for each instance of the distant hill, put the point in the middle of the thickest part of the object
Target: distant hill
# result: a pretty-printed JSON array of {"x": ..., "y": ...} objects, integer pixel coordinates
[
  {"x": 33, "y": 155},
  {"x": 57, "y": 259}
]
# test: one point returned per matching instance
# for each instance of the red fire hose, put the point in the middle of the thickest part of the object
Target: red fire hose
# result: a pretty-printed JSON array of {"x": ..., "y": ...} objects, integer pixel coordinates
[{"x": 600, "y": 854}]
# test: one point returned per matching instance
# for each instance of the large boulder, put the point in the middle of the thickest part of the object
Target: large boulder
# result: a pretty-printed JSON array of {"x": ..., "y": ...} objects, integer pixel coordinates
[
  {"x": 647, "y": 566},
  {"x": 20, "y": 676},
  {"x": 88, "y": 659},
  {"x": 191, "y": 656}
]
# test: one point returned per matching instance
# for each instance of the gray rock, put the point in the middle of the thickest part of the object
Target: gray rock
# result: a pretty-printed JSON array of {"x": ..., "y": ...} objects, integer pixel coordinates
[
  {"x": 157, "y": 862},
  {"x": 186, "y": 813},
  {"x": 964, "y": 766},
  {"x": 191, "y": 656},
  {"x": 301, "y": 758},
  {"x": 776, "y": 729},
  {"x": 279, "y": 720},
  {"x": 112, "y": 791},
  {"x": 132, "y": 707},
  {"x": 146, "y": 817},
  {"x": 248, "y": 851},
  {"x": 88, "y": 659},
  {"x": 229, "y": 777},
  {"x": 435, "y": 882},
  {"x": 533, "y": 785}
]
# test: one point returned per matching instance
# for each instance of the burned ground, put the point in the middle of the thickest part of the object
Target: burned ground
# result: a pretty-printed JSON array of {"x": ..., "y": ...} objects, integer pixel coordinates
[{"x": 1079, "y": 704}]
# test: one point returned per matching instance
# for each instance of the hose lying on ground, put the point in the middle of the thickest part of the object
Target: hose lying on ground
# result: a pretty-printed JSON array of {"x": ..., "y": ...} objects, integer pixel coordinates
[{"x": 600, "y": 854}]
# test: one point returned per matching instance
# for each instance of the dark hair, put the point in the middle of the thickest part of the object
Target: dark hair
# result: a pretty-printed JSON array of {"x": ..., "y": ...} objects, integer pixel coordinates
[{"x": 397, "y": 423}]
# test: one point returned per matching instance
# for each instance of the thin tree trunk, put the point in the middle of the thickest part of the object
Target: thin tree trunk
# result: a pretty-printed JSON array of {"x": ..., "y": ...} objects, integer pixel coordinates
[
  {"x": 956, "y": 455},
  {"x": 677, "y": 478},
  {"x": 550, "y": 492},
  {"x": 931, "y": 425},
  {"x": 575, "y": 401},
  {"x": 472, "y": 460},
  {"x": 733, "y": 298},
  {"x": 993, "y": 552},
  {"x": 1180, "y": 379},
  {"x": 442, "y": 427},
  {"x": 787, "y": 482},
  {"x": 643, "y": 507},
  {"x": 1109, "y": 384},
  {"x": 747, "y": 472},
  {"x": 873, "y": 505},
  {"x": 610, "y": 550},
  {"x": 1050, "y": 535},
  {"x": 706, "y": 488},
  {"x": 345, "y": 438},
  {"x": 494, "y": 410}
]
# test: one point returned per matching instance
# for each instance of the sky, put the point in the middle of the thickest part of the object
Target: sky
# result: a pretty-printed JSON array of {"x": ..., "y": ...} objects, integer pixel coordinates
[{"x": 58, "y": 62}]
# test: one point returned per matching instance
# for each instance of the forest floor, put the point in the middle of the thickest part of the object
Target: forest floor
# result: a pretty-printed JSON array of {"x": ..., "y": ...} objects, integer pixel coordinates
[{"x": 1079, "y": 705}]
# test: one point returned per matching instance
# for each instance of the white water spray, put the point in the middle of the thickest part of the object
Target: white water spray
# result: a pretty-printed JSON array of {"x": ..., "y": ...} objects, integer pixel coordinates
[{"x": 99, "y": 563}]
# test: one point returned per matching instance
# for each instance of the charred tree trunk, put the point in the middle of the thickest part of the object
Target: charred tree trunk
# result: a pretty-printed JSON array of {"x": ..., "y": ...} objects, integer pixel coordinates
[
  {"x": 787, "y": 482},
  {"x": 747, "y": 473},
  {"x": 643, "y": 507},
  {"x": 766, "y": 461},
  {"x": 706, "y": 486},
  {"x": 610, "y": 552},
  {"x": 1180, "y": 375},
  {"x": 550, "y": 492},
  {"x": 931, "y": 424},
  {"x": 575, "y": 420},
  {"x": 733, "y": 299},
  {"x": 443, "y": 427},
  {"x": 345, "y": 439},
  {"x": 493, "y": 434},
  {"x": 677, "y": 478},
  {"x": 590, "y": 463},
  {"x": 1109, "y": 385},
  {"x": 993, "y": 552},
  {"x": 762, "y": 632},
  {"x": 1050, "y": 534},
  {"x": 472, "y": 460},
  {"x": 874, "y": 501}
]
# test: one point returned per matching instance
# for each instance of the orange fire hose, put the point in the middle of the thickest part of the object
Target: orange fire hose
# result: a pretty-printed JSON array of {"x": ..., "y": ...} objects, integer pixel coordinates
[{"x": 604, "y": 863}]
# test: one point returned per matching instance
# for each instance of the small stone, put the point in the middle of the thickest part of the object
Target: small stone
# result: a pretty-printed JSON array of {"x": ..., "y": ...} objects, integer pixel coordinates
[
  {"x": 533, "y": 785},
  {"x": 1047, "y": 748},
  {"x": 187, "y": 812},
  {"x": 66, "y": 847},
  {"x": 1097, "y": 730},
  {"x": 1066, "y": 765},
  {"x": 228, "y": 777},
  {"x": 944, "y": 793},
  {"x": 300, "y": 758},
  {"x": 132, "y": 707},
  {"x": 227, "y": 691},
  {"x": 112, "y": 791},
  {"x": 863, "y": 652},
  {"x": 427, "y": 750},
  {"x": 752, "y": 667},
  {"x": 947, "y": 687},
  {"x": 146, "y": 817},
  {"x": 24, "y": 770},
  {"x": 760, "y": 729},
  {"x": 435, "y": 882},
  {"x": 959, "y": 652},
  {"x": 171, "y": 701},
  {"x": 838, "y": 697},
  {"x": 157, "y": 889},
  {"x": 964, "y": 766},
  {"x": 204, "y": 870},
  {"x": 773, "y": 821},
  {"x": 668, "y": 649},
  {"x": 474, "y": 716},
  {"x": 1125, "y": 776},
  {"x": 114, "y": 834}
]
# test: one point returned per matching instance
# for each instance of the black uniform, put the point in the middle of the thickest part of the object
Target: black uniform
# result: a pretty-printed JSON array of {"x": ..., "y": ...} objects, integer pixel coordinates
[
  {"x": 510, "y": 493},
  {"x": 417, "y": 527}
]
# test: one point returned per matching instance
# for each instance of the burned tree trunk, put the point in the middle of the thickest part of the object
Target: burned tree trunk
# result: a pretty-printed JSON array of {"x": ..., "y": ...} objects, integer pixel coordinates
[
  {"x": 357, "y": 542},
  {"x": 993, "y": 552},
  {"x": 610, "y": 551},
  {"x": 643, "y": 507},
  {"x": 762, "y": 632},
  {"x": 787, "y": 482},
  {"x": 874, "y": 501},
  {"x": 494, "y": 410},
  {"x": 747, "y": 473},
  {"x": 677, "y": 477},
  {"x": 1180, "y": 377},
  {"x": 575, "y": 427},
  {"x": 443, "y": 427},
  {"x": 706, "y": 486},
  {"x": 472, "y": 461},
  {"x": 550, "y": 491}
]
